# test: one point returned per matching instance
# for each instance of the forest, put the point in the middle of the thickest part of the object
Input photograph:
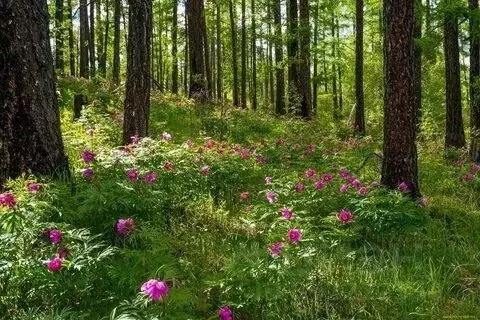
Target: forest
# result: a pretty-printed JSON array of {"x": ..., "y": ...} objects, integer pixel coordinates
[{"x": 239, "y": 159}]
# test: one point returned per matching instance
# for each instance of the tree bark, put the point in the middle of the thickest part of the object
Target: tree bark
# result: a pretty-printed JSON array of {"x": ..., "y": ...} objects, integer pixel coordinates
[
  {"x": 399, "y": 148},
  {"x": 116, "y": 42},
  {"x": 243, "y": 100},
  {"x": 336, "y": 108},
  {"x": 254, "y": 59},
  {"x": 315, "y": 59},
  {"x": 474, "y": 29},
  {"x": 186, "y": 57},
  {"x": 91, "y": 39},
  {"x": 71, "y": 39},
  {"x": 206, "y": 50},
  {"x": 279, "y": 71},
  {"x": 84, "y": 45},
  {"x": 99, "y": 32},
  {"x": 103, "y": 59},
  {"x": 59, "y": 60},
  {"x": 30, "y": 139},
  {"x": 174, "y": 47},
  {"x": 219, "y": 54},
  {"x": 417, "y": 33},
  {"x": 137, "y": 87},
  {"x": 304, "y": 90},
  {"x": 292, "y": 51},
  {"x": 234, "y": 53},
  {"x": 198, "y": 83},
  {"x": 359, "y": 94},
  {"x": 454, "y": 133}
]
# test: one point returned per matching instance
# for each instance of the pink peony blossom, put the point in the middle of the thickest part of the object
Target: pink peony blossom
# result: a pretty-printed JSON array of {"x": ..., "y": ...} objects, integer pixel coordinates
[
  {"x": 287, "y": 213},
  {"x": 209, "y": 144},
  {"x": 150, "y": 177},
  {"x": 275, "y": 249},
  {"x": 362, "y": 191},
  {"x": 156, "y": 290},
  {"x": 294, "y": 235},
  {"x": 88, "y": 156},
  {"x": 403, "y": 187},
  {"x": 55, "y": 236},
  {"x": 343, "y": 188},
  {"x": 225, "y": 313},
  {"x": 33, "y": 187},
  {"x": 319, "y": 185},
  {"x": 123, "y": 227},
  {"x": 271, "y": 197},
  {"x": 310, "y": 173},
  {"x": 7, "y": 199},
  {"x": 344, "y": 216},
  {"x": 205, "y": 170},
  {"x": 54, "y": 265},
  {"x": 166, "y": 136},
  {"x": 135, "y": 139},
  {"x": 245, "y": 154},
  {"x": 168, "y": 166},
  {"x": 87, "y": 173},
  {"x": 299, "y": 187},
  {"x": 327, "y": 177},
  {"x": 344, "y": 174},
  {"x": 423, "y": 202},
  {"x": 132, "y": 174},
  {"x": 268, "y": 180},
  {"x": 244, "y": 196},
  {"x": 355, "y": 182}
]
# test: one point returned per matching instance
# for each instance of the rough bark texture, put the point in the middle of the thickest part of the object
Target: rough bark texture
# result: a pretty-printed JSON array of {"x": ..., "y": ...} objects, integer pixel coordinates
[
  {"x": 206, "y": 52},
  {"x": 234, "y": 52},
  {"x": 454, "y": 133},
  {"x": 198, "y": 83},
  {"x": 336, "y": 108},
  {"x": 315, "y": 60},
  {"x": 474, "y": 81},
  {"x": 219, "y": 55},
  {"x": 417, "y": 64},
  {"x": 84, "y": 35},
  {"x": 303, "y": 68},
  {"x": 279, "y": 72},
  {"x": 399, "y": 149},
  {"x": 59, "y": 60},
  {"x": 30, "y": 138},
  {"x": 137, "y": 87},
  {"x": 174, "y": 47},
  {"x": 116, "y": 42},
  {"x": 91, "y": 39},
  {"x": 102, "y": 64},
  {"x": 71, "y": 39},
  {"x": 292, "y": 51},
  {"x": 254, "y": 59},
  {"x": 243, "y": 100},
  {"x": 359, "y": 94}
]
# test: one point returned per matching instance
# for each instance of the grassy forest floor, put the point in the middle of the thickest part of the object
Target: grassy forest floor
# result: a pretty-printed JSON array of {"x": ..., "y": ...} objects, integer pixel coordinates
[{"x": 197, "y": 228}]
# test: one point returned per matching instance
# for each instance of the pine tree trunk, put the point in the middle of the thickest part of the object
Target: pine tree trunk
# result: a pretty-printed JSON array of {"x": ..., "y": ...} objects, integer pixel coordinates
[
  {"x": 59, "y": 60},
  {"x": 254, "y": 59},
  {"x": 271, "y": 68},
  {"x": 99, "y": 32},
  {"x": 417, "y": 33},
  {"x": 359, "y": 94},
  {"x": 174, "y": 47},
  {"x": 91, "y": 39},
  {"x": 474, "y": 26},
  {"x": 186, "y": 57},
  {"x": 71, "y": 39},
  {"x": 103, "y": 60},
  {"x": 304, "y": 90},
  {"x": 198, "y": 83},
  {"x": 30, "y": 139},
  {"x": 399, "y": 148},
  {"x": 315, "y": 59},
  {"x": 336, "y": 111},
  {"x": 84, "y": 35},
  {"x": 279, "y": 72},
  {"x": 206, "y": 50},
  {"x": 137, "y": 87},
  {"x": 454, "y": 133},
  {"x": 219, "y": 55},
  {"x": 292, "y": 51},
  {"x": 339, "y": 69},
  {"x": 116, "y": 42},
  {"x": 234, "y": 53},
  {"x": 244, "y": 59}
]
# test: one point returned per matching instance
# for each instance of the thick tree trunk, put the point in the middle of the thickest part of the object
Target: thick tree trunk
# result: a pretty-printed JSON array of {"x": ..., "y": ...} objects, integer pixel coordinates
[
  {"x": 292, "y": 51},
  {"x": 304, "y": 90},
  {"x": 206, "y": 50},
  {"x": 91, "y": 39},
  {"x": 116, "y": 42},
  {"x": 454, "y": 133},
  {"x": 359, "y": 95},
  {"x": 243, "y": 100},
  {"x": 84, "y": 45},
  {"x": 59, "y": 60},
  {"x": 30, "y": 139},
  {"x": 417, "y": 33},
  {"x": 254, "y": 59},
  {"x": 137, "y": 87},
  {"x": 234, "y": 53},
  {"x": 198, "y": 83},
  {"x": 219, "y": 55},
  {"x": 399, "y": 148},
  {"x": 279, "y": 72},
  {"x": 315, "y": 59},
  {"x": 71, "y": 39},
  {"x": 174, "y": 47},
  {"x": 474, "y": 81}
]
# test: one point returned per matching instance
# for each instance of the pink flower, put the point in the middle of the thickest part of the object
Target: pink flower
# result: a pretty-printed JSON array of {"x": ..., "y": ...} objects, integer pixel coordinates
[
  {"x": 261, "y": 159},
  {"x": 423, "y": 202},
  {"x": 474, "y": 168},
  {"x": 299, "y": 187},
  {"x": 132, "y": 174},
  {"x": 225, "y": 313},
  {"x": 55, "y": 236},
  {"x": 7, "y": 199},
  {"x": 209, "y": 143},
  {"x": 311, "y": 148},
  {"x": 168, "y": 166},
  {"x": 33, "y": 187},
  {"x": 468, "y": 177},
  {"x": 310, "y": 173},
  {"x": 294, "y": 235},
  {"x": 362, "y": 191},
  {"x": 135, "y": 139},
  {"x": 343, "y": 188},
  {"x": 205, "y": 170},
  {"x": 155, "y": 290},
  {"x": 166, "y": 136},
  {"x": 87, "y": 173},
  {"x": 188, "y": 144},
  {"x": 150, "y": 177},
  {"x": 245, "y": 154},
  {"x": 88, "y": 157},
  {"x": 271, "y": 197},
  {"x": 355, "y": 182},
  {"x": 244, "y": 196},
  {"x": 345, "y": 216},
  {"x": 54, "y": 265},
  {"x": 327, "y": 177},
  {"x": 123, "y": 227},
  {"x": 403, "y": 187},
  {"x": 344, "y": 173},
  {"x": 319, "y": 185},
  {"x": 275, "y": 249},
  {"x": 287, "y": 213},
  {"x": 268, "y": 180}
]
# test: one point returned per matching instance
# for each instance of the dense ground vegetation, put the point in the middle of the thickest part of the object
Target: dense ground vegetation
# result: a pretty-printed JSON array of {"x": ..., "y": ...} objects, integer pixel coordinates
[{"x": 233, "y": 208}]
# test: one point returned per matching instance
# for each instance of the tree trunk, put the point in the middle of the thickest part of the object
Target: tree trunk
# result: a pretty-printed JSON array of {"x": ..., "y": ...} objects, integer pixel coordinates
[
  {"x": 315, "y": 58},
  {"x": 234, "y": 52},
  {"x": 359, "y": 95},
  {"x": 474, "y": 81},
  {"x": 292, "y": 50},
  {"x": 254, "y": 59},
  {"x": 84, "y": 35},
  {"x": 279, "y": 71},
  {"x": 116, "y": 42},
  {"x": 270, "y": 45},
  {"x": 198, "y": 85},
  {"x": 30, "y": 139},
  {"x": 339, "y": 68},
  {"x": 59, "y": 60},
  {"x": 103, "y": 60},
  {"x": 206, "y": 50},
  {"x": 91, "y": 39},
  {"x": 137, "y": 87},
  {"x": 304, "y": 90},
  {"x": 186, "y": 57},
  {"x": 174, "y": 48},
  {"x": 219, "y": 55},
  {"x": 99, "y": 32},
  {"x": 399, "y": 148},
  {"x": 243, "y": 100},
  {"x": 417, "y": 64},
  {"x": 336, "y": 109},
  {"x": 71, "y": 39},
  {"x": 454, "y": 133}
]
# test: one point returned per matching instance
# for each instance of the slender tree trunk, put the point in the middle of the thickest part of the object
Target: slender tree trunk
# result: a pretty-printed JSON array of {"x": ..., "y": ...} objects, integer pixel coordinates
[
  {"x": 279, "y": 71},
  {"x": 324, "y": 63},
  {"x": 59, "y": 49},
  {"x": 303, "y": 67},
  {"x": 30, "y": 139},
  {"x": 84, "y": 35},
  {"x": 359, "y": 95},
  {"x": 91, "y": 39},
  {"x": 417, "y": 33},
  {"x": 244, "y": 59},
  {"x": 99, "y": 32},
  {"x": 160, "y": 51},
  {"x": 454, "y": 133},
  {"x": 315, "y": 58},
  {"x": 292, "y": 50},
  {"x": 270, "y": 44},
  {"x": 339, "y": 68},
  {"x": 399, "y": 148},
  {"x": 198, "y": 83},
  {"x": 116, "y": 42},
  {"x": 206, "y": 49},
  {"x": 474, "y": 26},
  {"x": 213, "y": 64},
  {"x": 428, "y": 18},
  {"x": 219, "y": 54},
  {"x": 187, "y": 55},
  {"x": 137, "y": 87},
  {"x": 254, "y": 59},
  {"x": 174, "y": 47},
  {"x": 71, "y": 39},
  {"x": 234, "y": 53},
  {"x": 103, "y": 60},
  {"x": 336, "y": 109}
]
